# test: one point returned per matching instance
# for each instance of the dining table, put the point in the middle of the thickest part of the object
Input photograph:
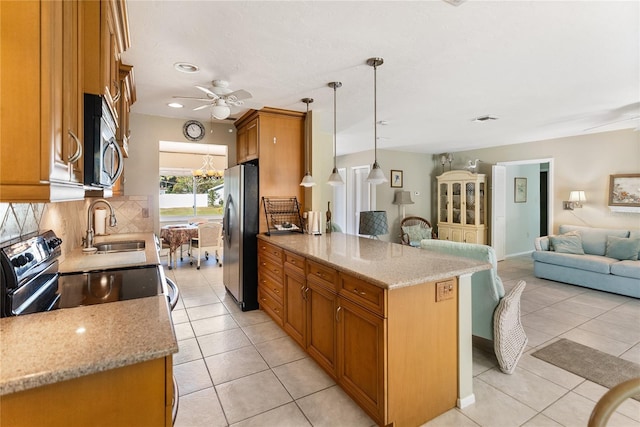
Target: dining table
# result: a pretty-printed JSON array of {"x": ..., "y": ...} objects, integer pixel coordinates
[{"x": 176, "y": 235}]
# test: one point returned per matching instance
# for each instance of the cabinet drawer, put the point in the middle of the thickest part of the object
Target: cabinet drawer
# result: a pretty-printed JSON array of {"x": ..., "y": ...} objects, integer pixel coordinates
[
  {"x": 267, "y": 283},
  {"x": 270, "y": 305},
  {"x": 295, "y": 262},
  {"x": 267, "y": 265},
  {"x": 267, "y": 249},
  {"x": 324, "y": 276},
  {"x": 362, "y": 293}
]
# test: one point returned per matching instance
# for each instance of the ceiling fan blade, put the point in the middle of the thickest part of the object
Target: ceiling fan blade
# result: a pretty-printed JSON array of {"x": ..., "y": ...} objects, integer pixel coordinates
[
  {"x": 610, "y": 123},
  {"x": 192, "y": 97},
  {"x": 202, "y": 107},
  {"x": 208, "y": 92},
  {"x": 239, "y": 95}
]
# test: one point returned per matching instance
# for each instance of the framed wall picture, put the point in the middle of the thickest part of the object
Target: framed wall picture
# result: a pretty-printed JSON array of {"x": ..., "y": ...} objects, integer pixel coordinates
[
  {"x": 520, "y": 190},
  {"x": 396, "y": 179},
  {"x": 624, "y": 190}
]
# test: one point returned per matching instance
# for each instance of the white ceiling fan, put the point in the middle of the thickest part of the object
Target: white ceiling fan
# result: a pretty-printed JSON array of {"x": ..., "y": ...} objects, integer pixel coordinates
[{"x": 220, "y": 98}]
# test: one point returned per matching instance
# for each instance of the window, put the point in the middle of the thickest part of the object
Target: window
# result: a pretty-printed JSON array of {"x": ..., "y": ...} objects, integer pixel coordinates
[{"x": 191, "y": 180}]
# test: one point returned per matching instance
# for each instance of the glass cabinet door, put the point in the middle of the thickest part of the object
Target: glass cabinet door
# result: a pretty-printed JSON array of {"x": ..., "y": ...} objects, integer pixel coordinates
[
  {"x": 443, "y": 203},
  {"x": 481, "y": 203},
  {"x": 456, "y": 200},
  {"x": 470, "y": 203}
]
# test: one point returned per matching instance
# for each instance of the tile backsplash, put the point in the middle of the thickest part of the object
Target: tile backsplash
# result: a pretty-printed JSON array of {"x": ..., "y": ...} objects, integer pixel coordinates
[{"x": 69, "y": 219}]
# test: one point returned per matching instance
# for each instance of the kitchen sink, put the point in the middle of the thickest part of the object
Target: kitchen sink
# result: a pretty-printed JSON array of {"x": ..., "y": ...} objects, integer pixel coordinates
[{"x": 121, "y": 246}]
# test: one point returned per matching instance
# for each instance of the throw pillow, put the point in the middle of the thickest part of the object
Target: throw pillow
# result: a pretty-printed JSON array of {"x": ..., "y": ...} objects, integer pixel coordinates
[
  {"x": 416, "y": 233},
  {"x": 567, "y": 244},
  {"x": 622, "y": 248}
]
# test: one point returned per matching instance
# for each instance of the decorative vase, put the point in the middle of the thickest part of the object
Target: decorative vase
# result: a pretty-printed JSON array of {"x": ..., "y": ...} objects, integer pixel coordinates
[{"x": 328, "y": 217}]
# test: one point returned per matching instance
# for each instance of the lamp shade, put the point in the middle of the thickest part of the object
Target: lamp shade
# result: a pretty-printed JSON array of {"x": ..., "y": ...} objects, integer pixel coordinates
[
  {"x": 373, "y": 223},
  {"x": 335, "y": 178},
  {"x": 577, "y": 196},
  {"x": 307, "y": 180},
  {"x": 402, "y": 198},
  {"x": 376, "y": 176}
]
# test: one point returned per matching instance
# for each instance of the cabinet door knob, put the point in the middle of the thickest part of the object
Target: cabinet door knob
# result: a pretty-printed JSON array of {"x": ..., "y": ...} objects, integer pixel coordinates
[{"x": 338, "y": 313}]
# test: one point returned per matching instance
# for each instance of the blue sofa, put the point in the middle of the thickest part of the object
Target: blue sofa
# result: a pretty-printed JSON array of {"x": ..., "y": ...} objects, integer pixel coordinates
[
  {"x": 592, "y": 269},
  {"x": 486, "y": 287}
]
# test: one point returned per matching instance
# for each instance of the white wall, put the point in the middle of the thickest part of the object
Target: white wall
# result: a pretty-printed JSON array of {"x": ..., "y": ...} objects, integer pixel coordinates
[
  {"x": 417, "y": 169},
  {"x": 141, "y": 167},
  {"x": 580, "y": 163}
]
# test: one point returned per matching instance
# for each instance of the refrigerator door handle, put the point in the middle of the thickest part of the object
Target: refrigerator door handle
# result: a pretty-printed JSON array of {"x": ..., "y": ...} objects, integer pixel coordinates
[{"x": 227, "y": 229}]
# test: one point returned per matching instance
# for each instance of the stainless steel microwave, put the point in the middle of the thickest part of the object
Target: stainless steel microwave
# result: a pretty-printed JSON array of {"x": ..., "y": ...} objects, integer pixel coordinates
[{"x": 103, "y": 160}]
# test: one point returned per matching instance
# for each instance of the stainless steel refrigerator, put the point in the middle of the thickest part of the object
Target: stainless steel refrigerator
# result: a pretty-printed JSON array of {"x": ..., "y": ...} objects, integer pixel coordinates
[{"x": 241, "y": 215}]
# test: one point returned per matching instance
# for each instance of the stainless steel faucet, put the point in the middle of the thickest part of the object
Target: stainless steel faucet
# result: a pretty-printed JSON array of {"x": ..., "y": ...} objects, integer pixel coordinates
[{"x": 88, "y": 240}]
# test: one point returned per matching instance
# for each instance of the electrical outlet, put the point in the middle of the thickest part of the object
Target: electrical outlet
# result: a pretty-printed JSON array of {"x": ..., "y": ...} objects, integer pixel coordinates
[
  {"x": 145, "y": 212},
  {"x": 444, "y": 290}
]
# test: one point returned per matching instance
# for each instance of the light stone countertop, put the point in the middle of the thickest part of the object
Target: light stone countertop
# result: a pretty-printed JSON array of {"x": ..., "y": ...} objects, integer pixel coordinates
[
  {"x": 45, "y": 348},
  {"x": 387, "y": 265},
  {"x": 79, "y": 261}
]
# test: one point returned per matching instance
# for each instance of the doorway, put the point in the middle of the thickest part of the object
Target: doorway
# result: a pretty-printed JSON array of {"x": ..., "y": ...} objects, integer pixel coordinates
[{"x": 516, "y": 223}]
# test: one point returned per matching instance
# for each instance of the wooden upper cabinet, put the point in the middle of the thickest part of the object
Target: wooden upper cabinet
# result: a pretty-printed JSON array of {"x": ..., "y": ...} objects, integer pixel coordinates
[
  {"x": 275, "y": 138},
  {"x": 41, "y": 101},
  {"x": 126, "y": 100},
  {"x": 247, "y": 142},
  {"x": 106, "y": 36}
]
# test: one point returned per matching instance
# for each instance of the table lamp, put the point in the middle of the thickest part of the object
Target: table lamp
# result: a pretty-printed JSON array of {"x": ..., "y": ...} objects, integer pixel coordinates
[{"x": 373, "y": 223}]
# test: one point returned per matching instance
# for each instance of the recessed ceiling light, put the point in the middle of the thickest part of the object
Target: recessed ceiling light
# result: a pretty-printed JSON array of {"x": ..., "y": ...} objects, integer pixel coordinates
[
  {"x": 482, "y": 119},
  {"x": 185, "y": 67},
  {"x": 175, "y": 105}
]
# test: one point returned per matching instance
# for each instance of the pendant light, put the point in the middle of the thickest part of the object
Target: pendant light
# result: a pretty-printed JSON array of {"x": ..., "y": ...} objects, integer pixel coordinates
[
  {"x": 335, "y": 178},
  {"x": 307, "y": 180},
  {"x": 376, "y": 176}
]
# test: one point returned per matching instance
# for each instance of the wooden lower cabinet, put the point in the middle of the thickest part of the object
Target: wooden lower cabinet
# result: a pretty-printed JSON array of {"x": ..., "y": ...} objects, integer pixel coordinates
[
  {"x": 361, "y": 356},
  {"x": 393, "y": 351},
  {"x": 294, "y": 305},
  {"x": 322, "y": 334},
  {"x": 135, "y": 395}
]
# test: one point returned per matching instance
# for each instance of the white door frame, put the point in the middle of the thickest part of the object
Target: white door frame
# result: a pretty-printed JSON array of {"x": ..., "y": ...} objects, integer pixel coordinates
[
  {"x": 498, "y": 227},
  {"x": 353, "y": 211}
]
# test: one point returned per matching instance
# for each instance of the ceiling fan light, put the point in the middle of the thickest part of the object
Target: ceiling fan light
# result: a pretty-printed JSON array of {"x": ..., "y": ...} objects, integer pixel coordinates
[
  {"x": 307, "y": 180},
  {"x": 220, "y": 111},
  {"x": 376, "y": 176},
  {"x": 335, "y": 179}
]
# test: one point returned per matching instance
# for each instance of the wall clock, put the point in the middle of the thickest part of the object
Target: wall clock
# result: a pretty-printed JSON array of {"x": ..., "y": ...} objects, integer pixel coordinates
[{"x": 193, "y": 130}]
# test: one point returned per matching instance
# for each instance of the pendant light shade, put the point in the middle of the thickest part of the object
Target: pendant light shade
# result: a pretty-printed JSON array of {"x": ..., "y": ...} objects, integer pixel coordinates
[
  {"x": 335, "y": 178},
  {"x": 307, "y": 180},
  {"x": 376, "y": 176}
]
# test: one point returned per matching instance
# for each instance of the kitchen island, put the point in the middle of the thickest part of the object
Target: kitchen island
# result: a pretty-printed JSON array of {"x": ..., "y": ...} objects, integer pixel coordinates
[
  {"x": 390, "y": 323},
  {"x": 108, "y": 362}
]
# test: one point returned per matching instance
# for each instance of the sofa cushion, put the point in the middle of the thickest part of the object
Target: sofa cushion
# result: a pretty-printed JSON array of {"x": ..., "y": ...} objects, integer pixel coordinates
[
  {"x": 622, "y": 248},
  {"x": 598, "y": 264},
  {"x": 594, "y": 240},
  {"x": 567, "y": 244},
  {"x": 635, "y": 235},
  {"x": 626, "y": 269}
]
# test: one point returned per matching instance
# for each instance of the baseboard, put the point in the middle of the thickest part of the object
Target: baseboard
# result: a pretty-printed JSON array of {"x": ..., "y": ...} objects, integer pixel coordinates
[{"x": 463, "y": 402}]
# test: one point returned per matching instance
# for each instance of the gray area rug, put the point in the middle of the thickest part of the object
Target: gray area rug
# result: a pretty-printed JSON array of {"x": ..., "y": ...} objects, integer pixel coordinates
[{"x": 594, "y": 365}]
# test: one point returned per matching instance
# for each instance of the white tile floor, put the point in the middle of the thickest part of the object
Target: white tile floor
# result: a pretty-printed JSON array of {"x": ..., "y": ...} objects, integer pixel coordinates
[{"x": 239, "y": 368}]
